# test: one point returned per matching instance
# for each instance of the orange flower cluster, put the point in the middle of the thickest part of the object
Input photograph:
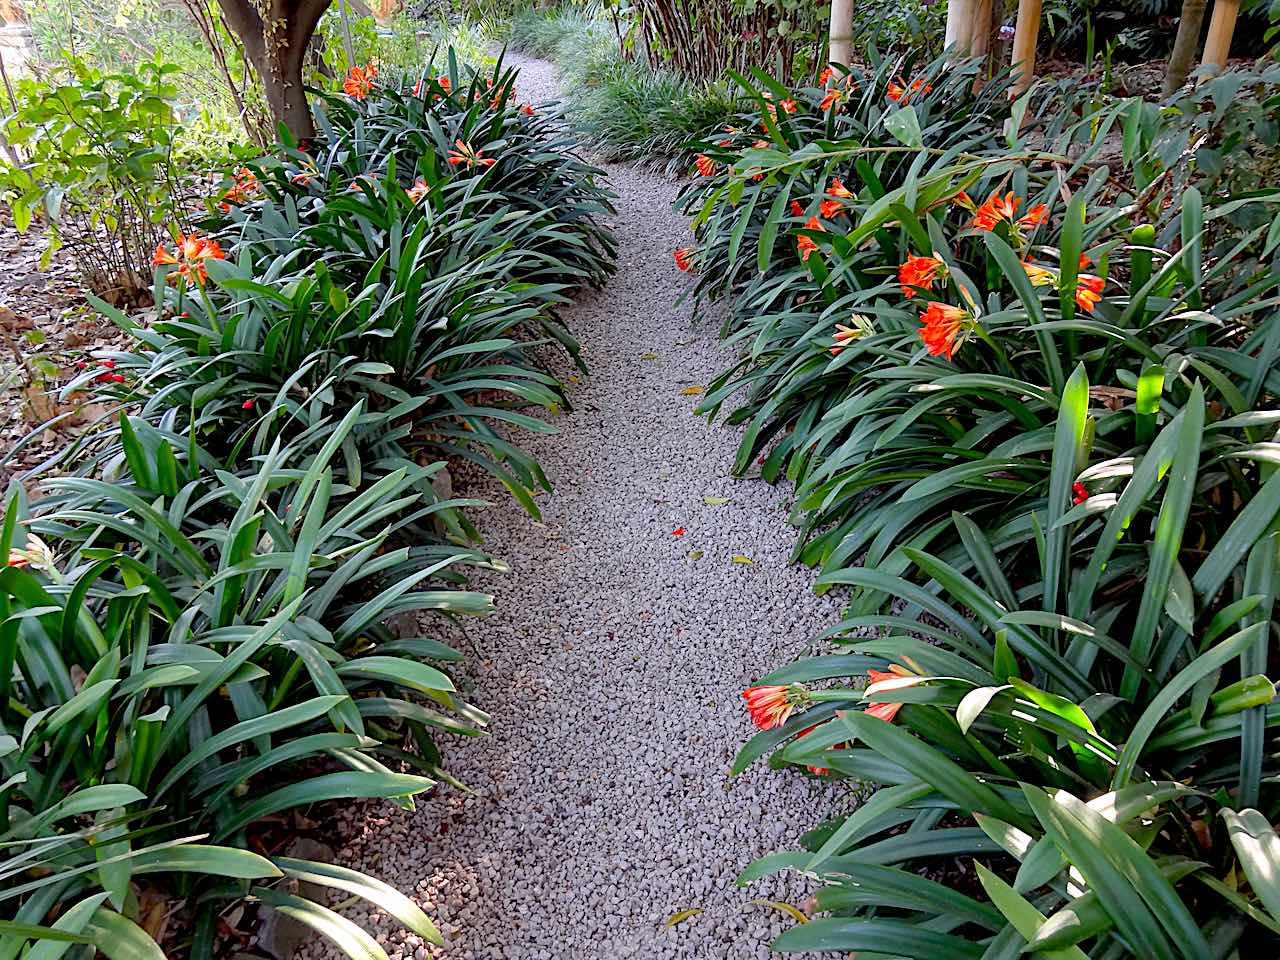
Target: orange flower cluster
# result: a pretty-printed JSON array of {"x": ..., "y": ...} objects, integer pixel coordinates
[
  {"x": 359, "y": 81},
  {"x": 830, "y": 208},
  {"x": 706, "y": 166},
  {"x": 944, "y": 329},
  {"x": 845, "y": 335},
  {"x": 191, "y": 256},
  {"x": 899, "y": 93},
  {"x": 244, "y": 185},
  {"x": 920, "y": 272},
  {"x": 684, "y": 257},
  {"x": 885, "y": 711},
  {"x": 419, "y": 190},
  {"x": 997, "y": 210},
  {"x": 837, "y": 189},
  {"x": 1088, "y": 287},
  {"x": 806, "y": 245},
  {"x": 463, "y": 154},
  {"x": 771, "y": 705}
]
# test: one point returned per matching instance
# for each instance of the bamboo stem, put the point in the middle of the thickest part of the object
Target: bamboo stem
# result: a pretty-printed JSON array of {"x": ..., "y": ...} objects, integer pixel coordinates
[
  {"x": 1217, "y": 46},
  {"x": 841, "y": 50},
  {"x": 1025, "y": 35}
]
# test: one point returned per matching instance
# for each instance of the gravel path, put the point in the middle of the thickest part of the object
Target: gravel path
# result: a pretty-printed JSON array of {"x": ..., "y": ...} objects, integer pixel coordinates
[{"x": 614, "y": 666}]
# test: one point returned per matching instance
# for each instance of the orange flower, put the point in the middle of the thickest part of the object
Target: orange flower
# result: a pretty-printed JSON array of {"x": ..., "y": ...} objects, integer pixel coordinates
[
  {"x": 305, "y": 175},
  {"x": 846, "y": 335},
  {"x": 920, "y": 272},
  {"x": 244, "y": 185},
  {"x": 834, "y": 96},
  {"x": 964, "y": 201},
  {"x": 417, "y": 88},
  {"x": 837, "y": 189},
  {"x": 830, "y": 208},
  {"x": 944, "y": 326},
  {"x": 760, "y": 144},
  {"x": 825, "y": 76},
  {"x": 1088, "y": 290},
  {"x": 418, "y": 190},
  {"x": 706, "y": 166},
  {"x": 997, "y": 210},
  {"x": 796, "y": 209},
  {"x": 684, "y": 257},
  {"x": 527, "y": 110},
  {"x": 191, "y": 255},
  {"x": 885, "y": 711},
  {"x": 1038, "y": 275},
  {"x": 444, "y": 83},
  {"x": 898, "y": 93},
  {"x": 770, "y": 706},
  {"x": 359, "y": 81},
  {"x": 816, "y": 771},
  {"x": 788, "y": 105},
  {"x": 806, "y": 245},
  {"x": 463, "y": 154}
]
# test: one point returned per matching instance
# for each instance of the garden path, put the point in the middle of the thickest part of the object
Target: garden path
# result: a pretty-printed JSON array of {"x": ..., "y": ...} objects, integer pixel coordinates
[{"x": 614, "y": 665}]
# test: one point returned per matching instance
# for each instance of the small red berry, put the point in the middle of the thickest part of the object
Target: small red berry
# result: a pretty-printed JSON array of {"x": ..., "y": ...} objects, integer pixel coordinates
[
  {"x": 247, "y": 405},
  {"x": 116, "y": 378},
  {"x": 109, "y": 364}
]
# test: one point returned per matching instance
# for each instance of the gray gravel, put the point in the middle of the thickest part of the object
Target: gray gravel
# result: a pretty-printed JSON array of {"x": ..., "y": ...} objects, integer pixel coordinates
[{"x": 614, "y": 666}]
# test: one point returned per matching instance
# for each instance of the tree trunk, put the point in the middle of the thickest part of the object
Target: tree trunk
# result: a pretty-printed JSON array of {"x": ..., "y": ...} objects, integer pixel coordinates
[
  {"x": 841, "y": 50},
  {"x": 277, "y": 56},
  {"x": 1183, "y": 57}
]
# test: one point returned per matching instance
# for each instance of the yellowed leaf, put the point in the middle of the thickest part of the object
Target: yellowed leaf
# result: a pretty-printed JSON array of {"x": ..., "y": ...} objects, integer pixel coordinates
[
  {"x": 742, "y": 558},
  {"x": 695, "y": 555},
  {"x": 795, "y": 913},
  {"x": 681, "y": 916},
  {"x": 692, "y": 391},
  {"x": 715, "y": 501},
  {"x": 648, "y": 356}
]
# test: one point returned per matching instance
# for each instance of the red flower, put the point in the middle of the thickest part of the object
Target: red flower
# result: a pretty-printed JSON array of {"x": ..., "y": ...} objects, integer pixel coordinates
[
  {"x": 830, "y": 208},
  {"x": 359, "y": 81},
  {"x": 1079, "y": 493},
  {"x": 678, "y": 532},
  {"x": 684, "y": 257},
  {"x": 943, "y": 327},
  {"x": 464, "y": 154},
  {"x": 706, "y": 166},
  {"x": 796, "y": 209},
  {"x": 770, "y": 706},
  {"x": 806, "y": 245},
  {"x": 417, "y": 88},
  {"x": 920, "y": 272},
  {"x": 527, "y": 110},
  {"x": 838, "y": 189}
]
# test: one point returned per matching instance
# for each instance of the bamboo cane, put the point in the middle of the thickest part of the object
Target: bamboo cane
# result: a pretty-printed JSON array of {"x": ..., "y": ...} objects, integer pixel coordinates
[
  {"x": 959, "y": 26},
  {"x": 1026, "y": 33},
  {"x": 1217, "y": 46},
  {"x": 841, "y": 50}
]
